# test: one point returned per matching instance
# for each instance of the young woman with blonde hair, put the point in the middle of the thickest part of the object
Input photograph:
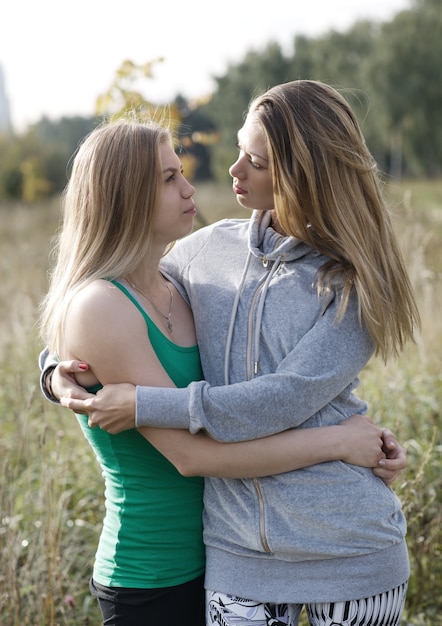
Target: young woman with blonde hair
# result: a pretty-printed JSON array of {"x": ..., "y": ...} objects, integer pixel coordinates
[{"x": 112, "y": 305}]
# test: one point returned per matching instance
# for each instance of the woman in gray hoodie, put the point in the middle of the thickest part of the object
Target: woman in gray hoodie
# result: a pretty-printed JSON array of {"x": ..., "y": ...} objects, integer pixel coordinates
[{"x": 289, "y": 308}]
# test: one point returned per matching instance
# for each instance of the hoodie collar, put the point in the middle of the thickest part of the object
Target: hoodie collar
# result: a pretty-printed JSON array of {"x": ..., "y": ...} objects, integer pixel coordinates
[{"x": 268, "y": 245}]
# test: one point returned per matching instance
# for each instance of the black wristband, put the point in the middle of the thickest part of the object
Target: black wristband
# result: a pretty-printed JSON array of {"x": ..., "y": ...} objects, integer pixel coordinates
[{"x": 48, "y": 382}]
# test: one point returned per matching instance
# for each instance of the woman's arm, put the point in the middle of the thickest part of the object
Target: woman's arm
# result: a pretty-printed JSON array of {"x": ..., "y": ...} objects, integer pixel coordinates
[
  {"x": 321, "y": 368},
  {"x": 353, "y": 441},
  {"x": 308, "y": 378},
  {"x": 356, "y": 440}
]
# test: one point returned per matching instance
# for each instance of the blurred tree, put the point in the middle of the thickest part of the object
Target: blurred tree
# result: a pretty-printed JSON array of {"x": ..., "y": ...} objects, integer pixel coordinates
[
  {"x": 390, "y": 73},
  {"x": 343, "y": 60},
  {"x": 35, "y": 164},
  {"x": 22, "y": 164},
  {"x": 406, "y": 72},
  {"x": 257, "y": 72},
  {"x": 11, "y": 184},
  {"x": 196, "y": 134},
  {"x": 125, "y": 95},
  {"x": 195, "y": 131},
  {"x": 61, "y": 139},
  {"x": 11, "y": 178},
  {"x": 35, "y": 185}
]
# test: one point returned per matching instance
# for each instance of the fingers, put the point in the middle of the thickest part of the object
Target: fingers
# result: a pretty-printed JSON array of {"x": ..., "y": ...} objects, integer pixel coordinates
[
  {"x": 385, "y": 475},
  {"x": 64, "y": 382},
  {"x": 389, "y": 439},
  {"x": 72, "y": 367},
  {"x": 397, "y": 464},
  {"x": 389, "y": 469},
  {"x": 393, "y": 449},
  {"x": 78, "y": 405},
  {"x": 388, "y": 463},
  {"x": 73, "y": 392},
  {"x": 388, "y": 473}
]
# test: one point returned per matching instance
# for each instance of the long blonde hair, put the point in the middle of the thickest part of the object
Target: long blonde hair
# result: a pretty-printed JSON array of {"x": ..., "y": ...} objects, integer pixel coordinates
[
  {"x": 327, "y": 193},
  {"x": 108, "y": 205}
]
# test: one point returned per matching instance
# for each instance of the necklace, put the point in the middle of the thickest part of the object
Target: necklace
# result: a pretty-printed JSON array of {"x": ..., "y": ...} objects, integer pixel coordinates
[{"x": 169, "y": 314}]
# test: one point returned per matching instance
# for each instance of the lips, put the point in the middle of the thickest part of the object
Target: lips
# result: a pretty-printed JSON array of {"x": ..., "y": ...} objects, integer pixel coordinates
[
  {"x": 191, "y": 211},
  {"x": 238, "y": 190}
]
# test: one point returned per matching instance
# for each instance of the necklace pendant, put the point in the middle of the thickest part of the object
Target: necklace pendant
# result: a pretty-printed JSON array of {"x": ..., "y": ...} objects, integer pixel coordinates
[{"x": 169, "y": 315}]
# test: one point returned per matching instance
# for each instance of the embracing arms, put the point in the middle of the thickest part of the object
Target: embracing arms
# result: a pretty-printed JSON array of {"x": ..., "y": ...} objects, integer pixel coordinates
[{"x": 354, "y": 441}]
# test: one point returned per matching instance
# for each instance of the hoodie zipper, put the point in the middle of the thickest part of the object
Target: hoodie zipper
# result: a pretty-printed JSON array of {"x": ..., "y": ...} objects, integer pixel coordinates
[
  {"x": 250, "y": 374},
  {"x": 252, "y": 368},
  {"x": 262, "y": 526}
]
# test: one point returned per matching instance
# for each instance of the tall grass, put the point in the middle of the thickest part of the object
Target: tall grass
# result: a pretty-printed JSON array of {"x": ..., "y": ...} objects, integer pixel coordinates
[{"x": 51, "y": 496}]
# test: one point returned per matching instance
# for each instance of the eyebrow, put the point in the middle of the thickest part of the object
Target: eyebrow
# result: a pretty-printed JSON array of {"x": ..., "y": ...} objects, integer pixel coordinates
[
  {"x": 172, "y": 169},
  {"x": 253, "y": 154}
]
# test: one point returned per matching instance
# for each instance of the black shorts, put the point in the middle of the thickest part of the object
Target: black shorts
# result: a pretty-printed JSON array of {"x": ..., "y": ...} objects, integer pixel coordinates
[{"x": 181, "y": 604}]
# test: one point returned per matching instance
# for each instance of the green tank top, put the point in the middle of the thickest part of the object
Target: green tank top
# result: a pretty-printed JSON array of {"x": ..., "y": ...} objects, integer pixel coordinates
[{"x": 152, "y": 533}]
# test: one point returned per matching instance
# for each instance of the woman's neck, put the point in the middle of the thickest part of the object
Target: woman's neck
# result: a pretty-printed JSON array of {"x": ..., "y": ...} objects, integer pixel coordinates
[
  {"x": 274, "y": 223},
  {"x": 148, "y": 280}
]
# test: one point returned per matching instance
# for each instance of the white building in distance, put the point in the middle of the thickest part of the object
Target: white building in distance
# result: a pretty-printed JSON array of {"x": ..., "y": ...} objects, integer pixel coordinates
[{"x": 5, "y": 113}]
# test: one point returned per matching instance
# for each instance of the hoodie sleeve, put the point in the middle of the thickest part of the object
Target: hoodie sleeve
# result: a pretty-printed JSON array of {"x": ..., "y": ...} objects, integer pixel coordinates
[
  {"x": 46, "y": 363},
  {"x": 322, "y": 369}
]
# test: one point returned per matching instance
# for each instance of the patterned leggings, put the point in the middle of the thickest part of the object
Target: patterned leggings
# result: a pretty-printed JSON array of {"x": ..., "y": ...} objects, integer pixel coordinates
[{"x": 384, "y": 609}]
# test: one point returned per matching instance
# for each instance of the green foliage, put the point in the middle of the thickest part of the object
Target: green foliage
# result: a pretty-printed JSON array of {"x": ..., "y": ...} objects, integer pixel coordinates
[
  {"x": 51, "y": 497},
  {"x": 123, "y": 94},
  {"x": 406, "y": 72},
  {"x": 34, "y": 166},
  {"x": 256, "y": 73},
  {"x": 389, "y": 72},
  {"x": 345, "y": 61}
]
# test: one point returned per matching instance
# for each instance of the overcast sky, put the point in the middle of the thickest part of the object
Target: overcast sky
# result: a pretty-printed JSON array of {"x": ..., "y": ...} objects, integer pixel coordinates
[{"x": 57, "y": 57}]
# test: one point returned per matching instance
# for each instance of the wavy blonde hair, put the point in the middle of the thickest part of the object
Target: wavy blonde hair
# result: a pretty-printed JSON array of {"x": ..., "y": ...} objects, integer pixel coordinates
[
  {"x": 108, "y": 205},
  {"x": 327, "y": 193}
]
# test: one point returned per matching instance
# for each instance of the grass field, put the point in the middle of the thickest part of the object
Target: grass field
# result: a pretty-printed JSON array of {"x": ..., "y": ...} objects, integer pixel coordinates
[{"x": 51, "y": 496}]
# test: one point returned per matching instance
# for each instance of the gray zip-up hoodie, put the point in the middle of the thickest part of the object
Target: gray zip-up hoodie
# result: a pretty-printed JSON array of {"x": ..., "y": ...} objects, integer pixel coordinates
[{"x": 275, "y": 358}]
